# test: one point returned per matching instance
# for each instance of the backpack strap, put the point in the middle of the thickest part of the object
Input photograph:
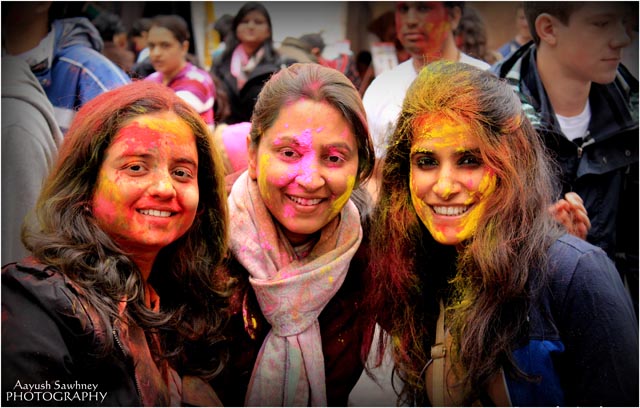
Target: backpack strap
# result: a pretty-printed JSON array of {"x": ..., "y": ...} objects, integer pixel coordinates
[{"x": 438, "y": 352}]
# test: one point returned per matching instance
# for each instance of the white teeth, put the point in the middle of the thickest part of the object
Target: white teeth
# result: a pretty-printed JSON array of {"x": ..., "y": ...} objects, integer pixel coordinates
[
  {"x": 155, "y": 213},
  {"x": 305, "y": 201},
  {"x": 451, "y": 211}
]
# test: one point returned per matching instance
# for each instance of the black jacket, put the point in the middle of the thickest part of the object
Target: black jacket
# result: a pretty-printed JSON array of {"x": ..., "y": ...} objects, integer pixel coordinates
[
  {"x": 602, "y": 167},
  {"x": 241, "y": 102},
  {"x": 48, "y": 338},
  {"x": 51, "y": 339}
]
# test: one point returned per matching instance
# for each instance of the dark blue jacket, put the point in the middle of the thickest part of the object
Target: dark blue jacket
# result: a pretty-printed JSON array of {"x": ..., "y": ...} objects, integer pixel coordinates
[{"x": 582, "y": 336}]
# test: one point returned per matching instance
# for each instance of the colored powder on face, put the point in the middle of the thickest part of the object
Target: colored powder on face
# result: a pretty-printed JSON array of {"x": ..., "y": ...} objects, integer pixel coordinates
[
  {"x": 145, "y": 132},
  {"x": 486, "y": 187},
  {"x": 305, "y": 139},
  {"x": 263, "y": 164},
  {"x": 340, "y": 202},
  {"x": 289, "y": 212},
  {"x": 175, "y": 126}
]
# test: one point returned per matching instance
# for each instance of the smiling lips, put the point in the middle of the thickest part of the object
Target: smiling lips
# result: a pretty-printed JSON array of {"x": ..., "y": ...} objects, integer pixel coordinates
[
  {"x": 156, "y": 213},
  {"x": 305, "y": 201},
  {"x": 451, "y": 211}
]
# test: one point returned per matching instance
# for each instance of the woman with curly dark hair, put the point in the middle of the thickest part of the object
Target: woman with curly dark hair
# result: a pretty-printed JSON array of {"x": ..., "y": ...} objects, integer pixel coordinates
[
  {"x": 133, "y": 212},
  {"x": 484, "y": 297}
]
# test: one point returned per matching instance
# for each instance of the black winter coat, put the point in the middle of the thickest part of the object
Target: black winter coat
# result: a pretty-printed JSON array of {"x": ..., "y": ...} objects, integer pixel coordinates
[{"x": 241, "y": 102}]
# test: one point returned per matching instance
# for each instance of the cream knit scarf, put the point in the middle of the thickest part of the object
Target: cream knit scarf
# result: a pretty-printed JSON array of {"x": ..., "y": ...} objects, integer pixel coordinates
[{"x": 289, "y": 370}]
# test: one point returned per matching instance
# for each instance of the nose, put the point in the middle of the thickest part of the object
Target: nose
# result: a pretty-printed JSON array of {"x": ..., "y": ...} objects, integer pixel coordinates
[
  {"x": 446, "y": 185},
  {"x": 154, "y": 51},
  {"x": 412, "y": 16},
  {"x": 162, "y": 186},
  {"x": 623, "y": 35},
  {"x": 310, "y": 178}
]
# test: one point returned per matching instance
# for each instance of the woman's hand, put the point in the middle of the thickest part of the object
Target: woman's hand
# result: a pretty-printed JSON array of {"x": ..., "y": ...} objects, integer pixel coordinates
[{"x": 570, "y": 212}]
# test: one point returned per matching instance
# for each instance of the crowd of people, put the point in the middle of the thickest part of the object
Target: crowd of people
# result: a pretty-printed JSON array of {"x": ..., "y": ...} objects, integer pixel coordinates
[{"x": 270, "y": 231}]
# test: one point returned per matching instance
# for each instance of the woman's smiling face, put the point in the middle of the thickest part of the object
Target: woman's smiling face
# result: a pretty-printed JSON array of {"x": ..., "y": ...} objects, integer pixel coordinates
[
  {"x": 448, "y": 180},
  {"x": 147, "y": 193},
  {"x": 306, "y": 166}
]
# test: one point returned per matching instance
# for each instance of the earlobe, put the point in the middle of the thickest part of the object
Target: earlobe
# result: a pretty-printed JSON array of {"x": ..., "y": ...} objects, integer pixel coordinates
[{"x": 546, "y": 28}]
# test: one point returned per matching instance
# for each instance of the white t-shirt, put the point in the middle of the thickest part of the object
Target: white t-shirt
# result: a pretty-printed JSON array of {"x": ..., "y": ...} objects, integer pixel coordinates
[
  {"x": 575, "y": 127},
  {"x": 383, "y": 99}
]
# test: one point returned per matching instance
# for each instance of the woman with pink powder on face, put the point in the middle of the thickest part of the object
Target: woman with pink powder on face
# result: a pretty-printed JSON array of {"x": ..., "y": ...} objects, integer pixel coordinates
[
  {"x": 295, "y": 233},
  {"x": 119, "y": 291}
]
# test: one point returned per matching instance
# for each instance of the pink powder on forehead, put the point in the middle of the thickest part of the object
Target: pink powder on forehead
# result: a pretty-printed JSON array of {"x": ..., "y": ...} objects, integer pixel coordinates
[
  {"x": 305, "y": 138},
  {"x": 320, "y": 129}
]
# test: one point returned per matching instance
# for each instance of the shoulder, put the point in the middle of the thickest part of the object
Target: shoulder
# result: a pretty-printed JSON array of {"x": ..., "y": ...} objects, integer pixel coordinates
[
  {"x": 390, "y": 87},
  {"x": 402, "y": 74},
  {"x": 97, "y": 66},
  {"x": 473, "y": 61},
  {"x": 154, "y": 77},
  {"x": 197, "y": 74},
  {"x": 583, "y": 273},
  {"x": 29, "y": 282},
  {"x": 569, "y": 254}
]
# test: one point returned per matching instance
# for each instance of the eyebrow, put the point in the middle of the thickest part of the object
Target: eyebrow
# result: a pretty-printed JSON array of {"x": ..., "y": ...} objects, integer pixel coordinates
[
  {"x": 294, "y": 141},
  {"x": 339, "y": 145},
  {"x": 147, "y": 156},
  {"x": 459, "y": 152}
]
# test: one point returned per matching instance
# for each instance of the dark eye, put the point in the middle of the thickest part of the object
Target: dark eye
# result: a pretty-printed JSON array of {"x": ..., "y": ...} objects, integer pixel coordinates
[
  {"x": 424, "y": 162},
  {"x": 289, "y": 154},
  {"x": 135, "y": 169},
  {"x": 470, "y": 160},
  {"x": 182, "y": 173},
  {"x": 402, "y": 8}
]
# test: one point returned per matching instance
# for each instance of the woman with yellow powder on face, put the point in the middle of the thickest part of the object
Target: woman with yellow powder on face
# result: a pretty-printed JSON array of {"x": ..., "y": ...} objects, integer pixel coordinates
[
  {"x": 294, "y": 236},
  {"x": 118, "y": 298},
  {"x": 485, "y": 298}
]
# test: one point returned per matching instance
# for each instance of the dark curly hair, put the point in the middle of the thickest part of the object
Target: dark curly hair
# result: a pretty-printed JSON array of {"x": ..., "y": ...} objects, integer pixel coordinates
[{"x": 64, "y": 234}]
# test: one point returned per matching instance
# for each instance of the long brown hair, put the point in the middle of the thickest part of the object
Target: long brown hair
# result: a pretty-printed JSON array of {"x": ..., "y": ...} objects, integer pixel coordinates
[
  {"x": 490, "y": 282},
  {"x": 64, "y": 234}
]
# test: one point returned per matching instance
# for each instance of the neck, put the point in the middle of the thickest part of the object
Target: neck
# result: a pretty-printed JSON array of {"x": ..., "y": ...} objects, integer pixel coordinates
[
  {"x": 521, "y": 39},
  {"x": 166, "y": 78},
  {"x": 568, "y": 95},
  {"x": 144, "y": 262},
  {"x": 250, "y": 49},
  {"x": 448, "y": 52},
  {"x": 17, "y": 40}
]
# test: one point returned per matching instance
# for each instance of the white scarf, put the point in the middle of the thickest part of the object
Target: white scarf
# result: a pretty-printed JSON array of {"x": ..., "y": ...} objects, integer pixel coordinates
[
  {"x": 289, "y": 370},
  {"x": 242, "y": 65}
]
